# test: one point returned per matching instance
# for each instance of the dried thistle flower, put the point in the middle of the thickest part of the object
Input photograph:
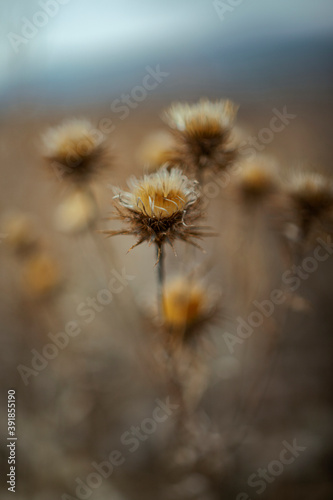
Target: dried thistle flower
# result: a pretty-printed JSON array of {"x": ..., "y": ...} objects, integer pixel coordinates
[
  {"x": 21, "y": 233},
  {"x": 76, "y": 149},
  {"x": 160, "y": 208},
  {"x": 41, "y": 275},
  {"x": 256, "y": 181},
  {"x": 186, "y": 304},
  {"x": 203, "y": 133},
  {"x": 312, "y": 198},
  {"x": 77, "y": 213}
]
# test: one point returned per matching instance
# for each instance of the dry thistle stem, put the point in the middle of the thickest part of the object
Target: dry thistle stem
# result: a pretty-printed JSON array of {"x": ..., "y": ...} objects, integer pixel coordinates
[
  {"x": 160, "y": 208},
  {"x": 203, "y": 134},
  {"x": 312, "y": 198},
  {"x": 76, "y": 149}
]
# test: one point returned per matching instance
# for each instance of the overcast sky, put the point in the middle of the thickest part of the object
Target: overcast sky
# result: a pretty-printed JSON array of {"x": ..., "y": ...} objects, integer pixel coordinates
[{"x": 82, "y": 30}]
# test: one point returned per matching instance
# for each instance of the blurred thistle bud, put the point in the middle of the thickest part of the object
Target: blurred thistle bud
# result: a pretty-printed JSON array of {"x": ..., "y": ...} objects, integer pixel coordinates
[
  {"x": 76, "y": 149},
  {"x": 203, "y": 134},
  {"x": 21, "y": 234},
  {"x": 187, "y": 306},
  {"x": 256, "y": 181},
  {"x": 311, "y": 196},
  {"x": 41, "y": 276}
]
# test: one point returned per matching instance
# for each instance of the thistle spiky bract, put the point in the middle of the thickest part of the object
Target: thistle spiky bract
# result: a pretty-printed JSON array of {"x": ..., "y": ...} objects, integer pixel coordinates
[{"x": 160, "y": 208}]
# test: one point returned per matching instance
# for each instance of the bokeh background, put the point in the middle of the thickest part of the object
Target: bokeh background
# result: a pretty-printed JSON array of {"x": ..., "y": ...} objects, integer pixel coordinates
[{"x": 264, "y": 55}]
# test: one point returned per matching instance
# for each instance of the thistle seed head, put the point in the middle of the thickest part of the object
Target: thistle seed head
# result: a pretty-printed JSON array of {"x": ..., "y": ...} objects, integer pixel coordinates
[
  {"x": 311, "y": 195},
  {"x": 21, "y": 233},
  {"x": 187, "y": 306},
  {"x": 185, "y": 302},
  {"x": 76, "y": 148},
  {"x": 256, "y": 181},
  {"x": 160, "y": 207},
  {"x": 203, "y": 133},
  {"x": 41, "y": 276}
]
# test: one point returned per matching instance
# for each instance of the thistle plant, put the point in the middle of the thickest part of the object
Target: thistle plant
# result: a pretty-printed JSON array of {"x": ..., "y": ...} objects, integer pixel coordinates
[
  {"x": 40, "y": 272},
  {"x": 22, "y": 234},
  {"x": 311, "y": 196},
  {"x": 135, "y": 366},
  {"x": 79, "y": 154},
  {"x": 256, "y": 182},
  {"x": 160, "y": 208},
  {"x": 188, "y": 306},
  {"x": 76, "y": 149},
  {"x": 203, "y": 134}
]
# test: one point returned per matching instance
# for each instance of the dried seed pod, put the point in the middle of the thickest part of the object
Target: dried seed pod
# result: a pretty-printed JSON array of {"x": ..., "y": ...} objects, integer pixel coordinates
[
  {"x": 41, "y": 275},
  {"x": 187, "y": 306},
  {"x": 256, "y": 181},
  {"x": 76, "y": 149},
  {"x": 203, "y": 134},
  {"x": 311, "y": 195},
  {"x": 160, "y": 208},
  {"x": 21, "y": 234}
]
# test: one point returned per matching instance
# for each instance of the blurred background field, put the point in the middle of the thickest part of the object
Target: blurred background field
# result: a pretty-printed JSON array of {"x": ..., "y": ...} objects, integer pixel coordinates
[{"x": 262, "y": 55}]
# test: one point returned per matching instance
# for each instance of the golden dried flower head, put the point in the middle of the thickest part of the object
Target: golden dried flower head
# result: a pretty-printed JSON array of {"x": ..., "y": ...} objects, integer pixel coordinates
[
  {"x": 159, "y": 208},
  {"x": 312, "y": 198},
  {"x": 184, "y": 302},
  {"x": 203, "y": 133},
  {"x": 76, "y": 148},
  {"x": 256, "y": 181},
  {"x": 41, "y": 275},
  {"x": 21, "y": 233},
  {"x": 187, "y": 306}
]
